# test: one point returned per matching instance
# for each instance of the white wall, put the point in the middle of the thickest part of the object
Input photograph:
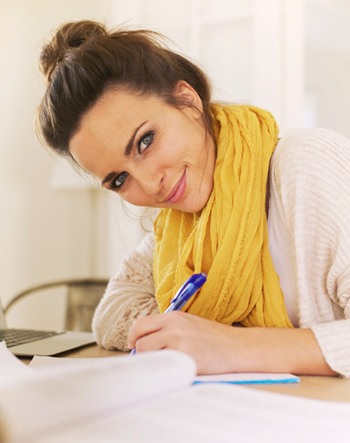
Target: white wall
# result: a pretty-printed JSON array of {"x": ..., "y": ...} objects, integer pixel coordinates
[
  {"x": 47, "y": 233},
  {"x": 44, "y": 232},
  {"x": 327, "y": 64}
]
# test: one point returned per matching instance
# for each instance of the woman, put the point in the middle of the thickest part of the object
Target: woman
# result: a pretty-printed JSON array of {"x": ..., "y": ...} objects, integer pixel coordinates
[{"x": 266, "y": 219}]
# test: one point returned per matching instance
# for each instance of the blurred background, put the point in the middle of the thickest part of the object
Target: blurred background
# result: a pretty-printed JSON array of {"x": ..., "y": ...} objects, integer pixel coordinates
[{"x": 289, "y": 56}]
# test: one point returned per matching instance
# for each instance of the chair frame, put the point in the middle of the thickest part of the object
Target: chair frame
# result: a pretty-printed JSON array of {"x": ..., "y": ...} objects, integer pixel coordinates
[{"x": 75, "y": 308}]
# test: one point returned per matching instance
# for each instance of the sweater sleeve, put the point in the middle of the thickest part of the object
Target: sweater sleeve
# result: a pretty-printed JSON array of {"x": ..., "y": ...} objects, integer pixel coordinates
[
  {"x": 311, "y": 172},
  {"x": 129, "y": 295}
]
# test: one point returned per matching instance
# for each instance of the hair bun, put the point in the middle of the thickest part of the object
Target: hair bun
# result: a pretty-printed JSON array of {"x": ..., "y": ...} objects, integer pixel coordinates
[{"x": 67, "y": 38}]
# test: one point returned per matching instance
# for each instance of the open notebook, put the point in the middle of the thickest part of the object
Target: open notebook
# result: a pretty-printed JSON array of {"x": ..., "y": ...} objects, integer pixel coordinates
[
  {"x": 29, "y": 342},
  {"x": 150, "y": 397}
]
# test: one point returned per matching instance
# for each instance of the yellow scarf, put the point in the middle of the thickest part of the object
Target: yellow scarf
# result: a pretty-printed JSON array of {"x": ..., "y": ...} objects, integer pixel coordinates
[{"x": 228, "y": 239}]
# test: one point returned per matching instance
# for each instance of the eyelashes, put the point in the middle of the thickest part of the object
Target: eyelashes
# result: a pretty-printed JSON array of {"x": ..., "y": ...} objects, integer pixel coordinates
[
  {"x": 144, "y": 143},
  {"x": 119, "y": 180}
]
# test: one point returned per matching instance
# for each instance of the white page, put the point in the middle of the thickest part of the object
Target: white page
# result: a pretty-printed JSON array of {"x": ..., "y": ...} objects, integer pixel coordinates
[
  {"x": 10, "y": 366},
  {"x": 219, "y": 413},
  {"x": 205, "y": 413},
  {"x": 40, "y": 361},
  {"x": 57, "y": 397},
  {"x": 235, "y": 378}
]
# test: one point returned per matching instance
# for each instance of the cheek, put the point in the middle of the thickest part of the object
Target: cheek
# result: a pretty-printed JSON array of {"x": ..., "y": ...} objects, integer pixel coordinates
[
  {"x": 177, "y": 151},
  {"x": 134, "y": 195}
]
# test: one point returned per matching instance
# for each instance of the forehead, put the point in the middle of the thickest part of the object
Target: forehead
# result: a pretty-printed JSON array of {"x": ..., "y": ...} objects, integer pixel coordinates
[
  {"x": 108, "y": 125},
  {"x": 116, "y": 110}
]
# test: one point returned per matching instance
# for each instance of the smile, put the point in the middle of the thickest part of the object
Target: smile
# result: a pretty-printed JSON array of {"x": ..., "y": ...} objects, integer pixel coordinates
[{"x": 177, "y": 191}]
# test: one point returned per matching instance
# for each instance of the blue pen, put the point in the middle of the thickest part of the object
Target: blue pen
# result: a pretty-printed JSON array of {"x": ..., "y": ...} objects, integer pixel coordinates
[{"x": 187, "y": 290}]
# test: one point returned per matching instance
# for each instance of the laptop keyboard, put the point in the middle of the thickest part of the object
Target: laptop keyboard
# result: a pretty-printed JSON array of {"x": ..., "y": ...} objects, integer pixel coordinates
[{"x": 14, "y": 337}]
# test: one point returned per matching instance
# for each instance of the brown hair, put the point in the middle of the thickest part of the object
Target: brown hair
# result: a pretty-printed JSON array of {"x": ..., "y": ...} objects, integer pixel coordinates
[{"x": 84, "y": 60}]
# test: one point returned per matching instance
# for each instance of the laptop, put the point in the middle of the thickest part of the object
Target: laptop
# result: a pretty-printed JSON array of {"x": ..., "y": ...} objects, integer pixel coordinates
[{"x": 30, "y": 342}]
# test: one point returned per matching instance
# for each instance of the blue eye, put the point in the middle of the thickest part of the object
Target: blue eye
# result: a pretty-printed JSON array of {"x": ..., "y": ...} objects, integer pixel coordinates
[
  {"x": 119, "y": 180},
  {"x": 145, "y": 142}
]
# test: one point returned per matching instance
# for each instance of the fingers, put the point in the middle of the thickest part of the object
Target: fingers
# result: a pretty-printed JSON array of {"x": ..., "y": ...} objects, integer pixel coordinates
[
  {"x": 143, "y": 327},
  {"x": 153, "y": 332},
  {"x": 211, "y": 344}
]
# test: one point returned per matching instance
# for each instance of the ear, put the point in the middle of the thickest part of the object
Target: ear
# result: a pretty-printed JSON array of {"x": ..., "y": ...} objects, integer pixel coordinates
[{"x": 188, "y": 95}]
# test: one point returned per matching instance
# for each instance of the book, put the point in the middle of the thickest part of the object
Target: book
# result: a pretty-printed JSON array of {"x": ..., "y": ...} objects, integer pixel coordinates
[
  {"x": 230, "y": 378},
  {"x": 35, "y": 403},
  {"x": 151, "y": 397}
]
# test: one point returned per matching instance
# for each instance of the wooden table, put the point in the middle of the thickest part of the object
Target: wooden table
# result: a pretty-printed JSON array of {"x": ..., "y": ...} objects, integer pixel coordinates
[{"x": 321, "y": 388}]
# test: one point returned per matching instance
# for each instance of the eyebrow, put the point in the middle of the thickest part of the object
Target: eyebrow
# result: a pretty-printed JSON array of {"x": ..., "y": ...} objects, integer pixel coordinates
[{"x": 127, "y": 152}]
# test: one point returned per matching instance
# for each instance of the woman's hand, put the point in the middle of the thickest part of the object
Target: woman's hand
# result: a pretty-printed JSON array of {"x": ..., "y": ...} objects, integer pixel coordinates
[
  {"x": 219, "y": 348},
  {"x": 206, "y": 341}
]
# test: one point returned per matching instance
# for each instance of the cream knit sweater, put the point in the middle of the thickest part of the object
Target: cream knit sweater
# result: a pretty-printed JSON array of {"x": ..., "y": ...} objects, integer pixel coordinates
[{"x": 310, "y": 191}]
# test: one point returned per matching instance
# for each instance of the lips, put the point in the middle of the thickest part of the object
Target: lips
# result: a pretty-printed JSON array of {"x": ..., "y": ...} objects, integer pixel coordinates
[{"x": 178, "y": 190}]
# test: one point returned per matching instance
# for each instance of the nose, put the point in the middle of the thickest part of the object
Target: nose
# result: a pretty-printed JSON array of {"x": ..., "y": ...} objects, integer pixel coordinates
[{"x": 149, "y": 180}]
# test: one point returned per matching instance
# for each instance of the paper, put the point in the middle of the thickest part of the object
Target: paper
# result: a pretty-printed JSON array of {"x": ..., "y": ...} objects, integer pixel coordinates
[
  {"x": 218, "y": 413},
  {"x": 149, "y": 398},
  {"x": 39, "y": 361},
  {"x": 63, "y": 395},
  {"x": 232, "y": 378},
  {"x": 10, "y": 366}
]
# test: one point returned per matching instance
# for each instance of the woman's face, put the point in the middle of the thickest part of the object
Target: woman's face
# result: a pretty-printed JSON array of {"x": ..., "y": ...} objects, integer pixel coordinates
[{"x": 149, "y": 152}]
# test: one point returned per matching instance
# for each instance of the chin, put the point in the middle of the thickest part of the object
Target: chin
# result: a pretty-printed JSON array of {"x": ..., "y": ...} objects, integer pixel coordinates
[{"x": 193, "y": 208}]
